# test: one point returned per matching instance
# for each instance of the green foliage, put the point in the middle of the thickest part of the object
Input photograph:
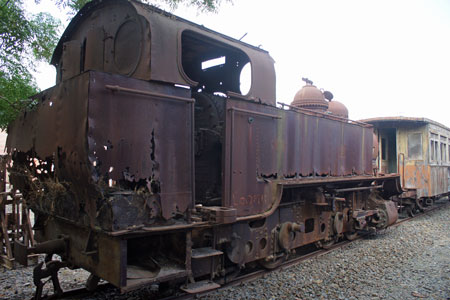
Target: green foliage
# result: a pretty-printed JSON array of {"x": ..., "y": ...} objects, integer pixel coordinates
[
  {"x": 203, "y": 5},
  {"x": 24, "y": 39},
  {"x": 74, "y": 5},
  {"x": 45, "y": 35},
  {"x": 14, "y": 91}
]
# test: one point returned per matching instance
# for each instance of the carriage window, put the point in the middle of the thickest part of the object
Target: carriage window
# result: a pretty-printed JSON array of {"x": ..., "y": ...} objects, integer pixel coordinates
[
  {"x": 383, "y": 149},
  {"x": 434, "y": 147},
  {"x": 216, "y": 66},
  {"x": 436, "y": 150},
  {"x": 432, "y": 156},
  {"x": 443, "y": 148},
  {"x": 432, "y": 151},
  {"x": 415, "y": 146}
]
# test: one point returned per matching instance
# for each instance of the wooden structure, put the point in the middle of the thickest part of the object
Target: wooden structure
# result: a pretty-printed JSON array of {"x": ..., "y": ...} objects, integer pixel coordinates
[{"x": 15, "y": 220}]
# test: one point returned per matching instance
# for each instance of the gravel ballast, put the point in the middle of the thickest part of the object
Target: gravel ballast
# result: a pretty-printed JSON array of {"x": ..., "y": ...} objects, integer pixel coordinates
[{"x": 410, "y": 261}]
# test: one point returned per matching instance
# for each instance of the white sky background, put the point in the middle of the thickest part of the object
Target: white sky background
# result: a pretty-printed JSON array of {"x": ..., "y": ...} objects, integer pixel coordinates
[{"x": 379, "y": 58}]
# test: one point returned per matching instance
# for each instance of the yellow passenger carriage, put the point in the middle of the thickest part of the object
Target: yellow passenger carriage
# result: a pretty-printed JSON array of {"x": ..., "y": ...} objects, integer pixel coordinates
[{"x": 418, "y": 149}]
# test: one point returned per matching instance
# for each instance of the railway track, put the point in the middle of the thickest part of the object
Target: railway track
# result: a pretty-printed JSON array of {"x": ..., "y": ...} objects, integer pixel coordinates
[{"x": 303, "y": 255}]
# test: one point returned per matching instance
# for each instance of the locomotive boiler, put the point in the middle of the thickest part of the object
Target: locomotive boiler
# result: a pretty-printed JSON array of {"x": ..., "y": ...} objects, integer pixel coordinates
[{"x": 147, "y": 163}]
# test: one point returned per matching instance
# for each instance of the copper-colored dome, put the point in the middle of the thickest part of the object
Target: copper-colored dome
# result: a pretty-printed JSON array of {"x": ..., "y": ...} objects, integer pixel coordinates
[
  {"x": 338, "y": 109},
  {"x": 310, "y": 97}
]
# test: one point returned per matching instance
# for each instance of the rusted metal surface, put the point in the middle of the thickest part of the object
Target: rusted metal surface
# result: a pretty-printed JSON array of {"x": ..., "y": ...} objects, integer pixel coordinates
[
  {"x": 53, "y": 138},
  {"x": 359, "y": 188},
  {"x": 51, "y": 270},
  {"x": 428, "y": 180},
  {"x": 136, "y": 28},
  {"x": 338, "y": 109},
  {"x": 56, "y": 246},
  {"x": 286, "y": 231},
  {"x": 310, "y": 97},
  {"x": 220, "y": 215},
  {"x": 200, "y": 287},
  {"x": 280, "y": 145},
  {"x": 122, "y": 151},
  {"x": 152, "y": 146},
  {"x": 392, "y": 213}
]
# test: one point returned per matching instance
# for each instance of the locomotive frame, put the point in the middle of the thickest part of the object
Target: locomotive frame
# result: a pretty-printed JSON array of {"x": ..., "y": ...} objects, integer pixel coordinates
[{"x": 143, "y": 167}]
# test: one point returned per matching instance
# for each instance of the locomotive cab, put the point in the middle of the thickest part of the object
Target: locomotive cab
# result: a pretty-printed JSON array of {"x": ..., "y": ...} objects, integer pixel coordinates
[{"x": 141, "y": 42}]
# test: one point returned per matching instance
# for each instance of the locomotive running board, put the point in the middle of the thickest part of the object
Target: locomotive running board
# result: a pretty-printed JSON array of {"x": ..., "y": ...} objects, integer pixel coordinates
[{"x": 199, "y": 287}]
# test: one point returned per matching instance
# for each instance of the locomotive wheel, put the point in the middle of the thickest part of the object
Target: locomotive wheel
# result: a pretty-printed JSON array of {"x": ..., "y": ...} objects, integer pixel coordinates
[
  {"x": 429, "y": 202},
  {"x": 383, "y": 221},
  {"x": 419, "y": 204},
  {"x": 411, "y": 211},
  {"x": 272, "y": 264},
  {"x": 351, "y": 235},
  {"x": 325, "y": 244}
]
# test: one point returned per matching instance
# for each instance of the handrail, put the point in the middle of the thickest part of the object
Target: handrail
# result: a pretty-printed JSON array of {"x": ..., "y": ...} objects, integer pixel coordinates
[
  {"x": 116, "y": 88},
  {"x": 403, "y": 167},
  {"x": 254, "y": 112}
]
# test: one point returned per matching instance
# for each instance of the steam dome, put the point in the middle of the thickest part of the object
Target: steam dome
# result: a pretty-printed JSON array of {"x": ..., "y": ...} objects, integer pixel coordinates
[
  {"x": 336, "y": 108},
  {"x": 310, "y": 97}
]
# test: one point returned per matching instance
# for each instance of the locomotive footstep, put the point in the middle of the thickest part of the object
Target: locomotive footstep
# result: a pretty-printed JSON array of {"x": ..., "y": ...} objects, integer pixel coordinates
[{"x": 137, "y": 272}]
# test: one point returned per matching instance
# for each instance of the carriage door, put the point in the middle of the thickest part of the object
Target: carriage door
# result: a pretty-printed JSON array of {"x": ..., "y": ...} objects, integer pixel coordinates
[{"x": 387, "y": 139}]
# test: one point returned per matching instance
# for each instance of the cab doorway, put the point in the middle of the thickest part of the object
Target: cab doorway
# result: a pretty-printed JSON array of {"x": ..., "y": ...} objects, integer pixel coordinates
[{"x": 387, "y": 139}]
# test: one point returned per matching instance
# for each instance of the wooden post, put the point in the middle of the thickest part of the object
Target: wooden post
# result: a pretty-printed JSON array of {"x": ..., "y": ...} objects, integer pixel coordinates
[{"x": 14, "y": 220}]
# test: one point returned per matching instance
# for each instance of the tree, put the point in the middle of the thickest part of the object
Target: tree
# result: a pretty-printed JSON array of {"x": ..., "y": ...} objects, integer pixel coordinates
[
  {"x": 203, "y": 5},
  {"x": 24, "y": 39}
]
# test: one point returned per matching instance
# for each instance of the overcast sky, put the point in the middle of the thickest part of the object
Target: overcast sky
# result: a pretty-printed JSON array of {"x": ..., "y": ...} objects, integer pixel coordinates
[{"x": 379, "y": 58}]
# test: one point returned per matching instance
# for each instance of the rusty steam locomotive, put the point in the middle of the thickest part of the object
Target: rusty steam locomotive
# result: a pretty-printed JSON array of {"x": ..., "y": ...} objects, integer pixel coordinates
[{"x": 144, "y": 164}]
